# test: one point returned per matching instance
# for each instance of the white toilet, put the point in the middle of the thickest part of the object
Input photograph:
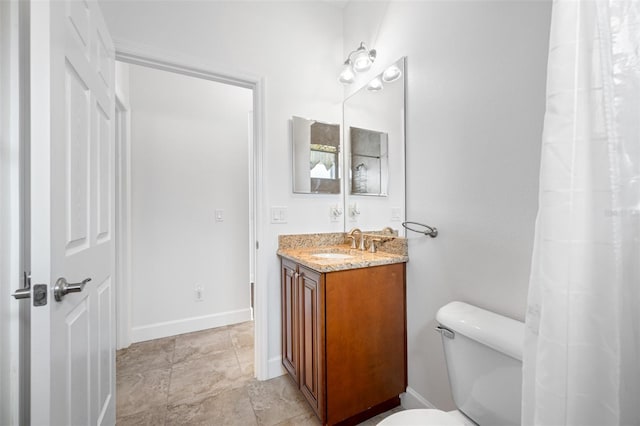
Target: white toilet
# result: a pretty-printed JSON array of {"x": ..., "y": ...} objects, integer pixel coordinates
[{"x": 484, "y": 360}]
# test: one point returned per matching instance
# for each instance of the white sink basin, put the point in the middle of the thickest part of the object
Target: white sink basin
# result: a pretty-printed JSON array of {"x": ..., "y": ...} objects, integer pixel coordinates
[{"x": 332, "y": 255}]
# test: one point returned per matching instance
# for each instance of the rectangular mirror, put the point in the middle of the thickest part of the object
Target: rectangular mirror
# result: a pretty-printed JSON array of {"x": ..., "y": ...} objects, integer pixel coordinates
[
  {"x": 316, "y": 156},
  {"x": 374, "y": 145}
]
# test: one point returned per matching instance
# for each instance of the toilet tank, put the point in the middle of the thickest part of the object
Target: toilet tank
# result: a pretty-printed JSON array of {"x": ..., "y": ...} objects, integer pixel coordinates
[{"x": 484, "y": 361}]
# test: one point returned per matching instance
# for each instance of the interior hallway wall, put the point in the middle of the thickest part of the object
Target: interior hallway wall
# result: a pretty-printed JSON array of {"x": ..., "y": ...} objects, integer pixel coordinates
[
  {"x": 475, "y": 107},
  {"x": 189, "y": 158},
  {"x": 296, "y": 47}
]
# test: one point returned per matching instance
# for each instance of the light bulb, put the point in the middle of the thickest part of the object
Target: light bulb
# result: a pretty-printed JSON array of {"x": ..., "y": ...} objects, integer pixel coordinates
[
  {"x": 362, "y": 61},
  {"x": 391, "y": 74},
  {"x": 347, "y": 76},
  {"x": 375, "y": 85}
]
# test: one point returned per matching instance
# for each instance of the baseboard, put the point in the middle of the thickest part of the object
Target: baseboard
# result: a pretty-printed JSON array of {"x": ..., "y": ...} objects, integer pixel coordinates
[
  {"x": 275, "y": 368},
  {"x": 188, "y": 325},
  {"x": 412, "y": 399}
]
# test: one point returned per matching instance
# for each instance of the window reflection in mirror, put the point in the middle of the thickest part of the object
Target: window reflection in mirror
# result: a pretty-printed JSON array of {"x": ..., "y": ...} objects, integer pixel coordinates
[{"x": 316, "y": 156}]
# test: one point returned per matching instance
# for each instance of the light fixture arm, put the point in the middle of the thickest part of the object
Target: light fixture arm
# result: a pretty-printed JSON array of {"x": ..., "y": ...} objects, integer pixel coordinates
[
  {"x": 359, "y": 60},
  {"x": 362, "y": 47}
]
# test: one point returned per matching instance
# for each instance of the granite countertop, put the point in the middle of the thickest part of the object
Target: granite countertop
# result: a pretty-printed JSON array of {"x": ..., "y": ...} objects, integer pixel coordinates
[{"x": 301, "y": 248}]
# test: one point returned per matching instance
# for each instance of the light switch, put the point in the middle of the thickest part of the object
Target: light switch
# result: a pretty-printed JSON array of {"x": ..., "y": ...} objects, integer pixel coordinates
[
  {"x": 396, "y": 212},
  {"x": 278, "y": 214},
  {"x": 219, "y": 215}
]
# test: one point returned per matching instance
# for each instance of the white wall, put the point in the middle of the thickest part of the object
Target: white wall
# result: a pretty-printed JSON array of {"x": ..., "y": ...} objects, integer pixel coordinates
[
  {"x": 296, "y": 47},
  {"x": 189, "y": 158},
  {"x": 476, "y": 84},
  {"x": 122, "y": 82}
]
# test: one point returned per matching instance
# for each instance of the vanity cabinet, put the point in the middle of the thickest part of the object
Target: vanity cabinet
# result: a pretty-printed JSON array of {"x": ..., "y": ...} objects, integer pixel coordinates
[{"x": 344, "y": 338}]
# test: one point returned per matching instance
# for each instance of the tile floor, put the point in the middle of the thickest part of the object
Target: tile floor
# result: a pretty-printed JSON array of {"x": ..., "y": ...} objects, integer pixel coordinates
[{"x": 205, "y": 378}]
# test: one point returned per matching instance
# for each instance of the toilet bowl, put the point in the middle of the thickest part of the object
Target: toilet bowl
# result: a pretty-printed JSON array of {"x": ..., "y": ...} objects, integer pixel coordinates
[
  {"x": 483, "y": 353},
  {"x": 427, "y": 417}
]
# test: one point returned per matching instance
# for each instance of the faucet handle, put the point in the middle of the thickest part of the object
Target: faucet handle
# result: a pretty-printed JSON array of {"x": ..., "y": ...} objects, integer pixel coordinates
[
  {"x": 372, "y": 244},
  {"x": 389, "y": 230},
  {"x": 353, "y": 241}
]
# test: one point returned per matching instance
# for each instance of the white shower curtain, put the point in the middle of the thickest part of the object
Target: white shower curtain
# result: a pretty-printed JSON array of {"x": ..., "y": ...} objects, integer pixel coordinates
[{"x": 582, "y": 339}]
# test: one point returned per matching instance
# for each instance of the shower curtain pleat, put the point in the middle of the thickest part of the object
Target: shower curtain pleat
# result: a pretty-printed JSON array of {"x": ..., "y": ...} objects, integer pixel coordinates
[{"x": 581, "y": 362}]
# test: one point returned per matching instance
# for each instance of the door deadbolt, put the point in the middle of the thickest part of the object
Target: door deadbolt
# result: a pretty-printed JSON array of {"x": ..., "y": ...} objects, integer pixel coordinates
[{"x": 24, "y": 292}]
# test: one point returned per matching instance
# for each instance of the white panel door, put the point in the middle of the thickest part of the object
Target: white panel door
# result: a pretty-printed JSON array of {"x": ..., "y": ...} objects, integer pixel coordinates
[{"x": 72, "y": 213}]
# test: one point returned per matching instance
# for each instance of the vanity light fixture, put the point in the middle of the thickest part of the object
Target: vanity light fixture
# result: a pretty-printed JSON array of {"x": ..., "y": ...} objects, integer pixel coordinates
[
  {"x": 347, "y": 76},
  {"x": 375, "y": 85},
  {"x": 391, "y": 74},
  {"x": 360, "y": 60}
]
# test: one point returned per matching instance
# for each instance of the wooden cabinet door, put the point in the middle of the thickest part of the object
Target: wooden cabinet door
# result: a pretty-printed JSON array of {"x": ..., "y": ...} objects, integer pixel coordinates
[
  {"x": 366, "y": 339},
  {"x": 289, "y": 294},
  {"x": 311, "y": 314}
]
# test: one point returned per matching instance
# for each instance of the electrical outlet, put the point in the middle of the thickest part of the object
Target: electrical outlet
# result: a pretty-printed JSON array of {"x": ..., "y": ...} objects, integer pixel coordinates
[
  {"x": 198, "y": 293},
  {"x": 335, "y": 212}
]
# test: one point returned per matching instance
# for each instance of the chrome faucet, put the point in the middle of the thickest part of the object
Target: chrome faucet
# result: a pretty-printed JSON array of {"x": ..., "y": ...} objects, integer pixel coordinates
[{"x": 353, "y": 235}]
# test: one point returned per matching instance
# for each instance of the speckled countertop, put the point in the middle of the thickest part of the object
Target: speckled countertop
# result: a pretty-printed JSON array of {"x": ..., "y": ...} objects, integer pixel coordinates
[{"x": 301, "y": 249}]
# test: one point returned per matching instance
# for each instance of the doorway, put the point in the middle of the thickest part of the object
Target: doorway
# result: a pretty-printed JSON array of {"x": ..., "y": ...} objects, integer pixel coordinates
[{"x": 170, "y": 192}]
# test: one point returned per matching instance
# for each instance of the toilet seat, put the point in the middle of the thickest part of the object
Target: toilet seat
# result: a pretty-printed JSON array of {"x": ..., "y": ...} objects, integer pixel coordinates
[{"x": 421, "y": 417}]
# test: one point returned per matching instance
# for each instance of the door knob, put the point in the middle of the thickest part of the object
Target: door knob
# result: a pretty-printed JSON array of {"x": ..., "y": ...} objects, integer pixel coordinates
[{"x": 62, "y": 287}]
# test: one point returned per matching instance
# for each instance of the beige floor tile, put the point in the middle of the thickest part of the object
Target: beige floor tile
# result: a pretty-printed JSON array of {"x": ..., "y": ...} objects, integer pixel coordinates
[
  {"x": 139, "y": 392},
  {"x": 142, "y": 356},
  {"x": 196, "y": 379},
  {"x": 231, "y": 407},
  {"x": 155, "y": 417},
  {"x": 202, "y": 343},
  {"x": 276, "y": 400},
  {"x": 241, "y": 337},
  {"x": 247, "y": 325},
  {"x": 307, "y": 419},
  {"x": 245, "y": 358}
]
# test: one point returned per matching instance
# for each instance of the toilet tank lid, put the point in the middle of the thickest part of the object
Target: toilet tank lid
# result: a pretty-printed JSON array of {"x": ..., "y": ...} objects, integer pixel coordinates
[{"x": 503, "y": 334}]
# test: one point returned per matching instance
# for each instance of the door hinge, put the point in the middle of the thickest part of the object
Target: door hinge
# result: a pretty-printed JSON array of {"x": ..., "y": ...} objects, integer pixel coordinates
[{"x": 253, "y": 286}]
